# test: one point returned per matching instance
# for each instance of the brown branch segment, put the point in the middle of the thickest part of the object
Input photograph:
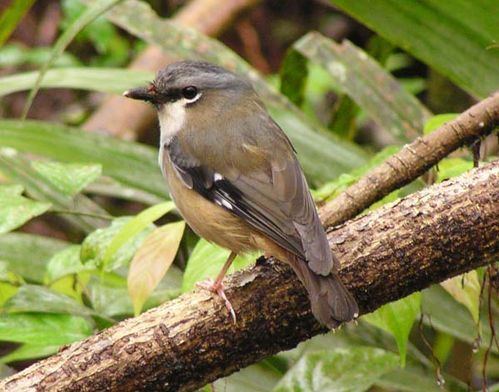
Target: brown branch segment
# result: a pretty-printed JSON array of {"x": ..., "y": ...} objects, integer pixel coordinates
[
  {"x": 126, "y": 118},
  {"x": 422, "y": 239},
  {"x": 412, "y": 161}
]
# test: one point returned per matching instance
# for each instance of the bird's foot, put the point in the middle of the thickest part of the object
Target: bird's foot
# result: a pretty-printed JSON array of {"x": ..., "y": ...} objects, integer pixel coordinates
[{"x": 218, "y": 289}]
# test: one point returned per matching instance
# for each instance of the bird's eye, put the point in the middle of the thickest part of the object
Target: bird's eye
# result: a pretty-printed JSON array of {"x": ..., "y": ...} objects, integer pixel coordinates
[{"x": 190, "y": 92}]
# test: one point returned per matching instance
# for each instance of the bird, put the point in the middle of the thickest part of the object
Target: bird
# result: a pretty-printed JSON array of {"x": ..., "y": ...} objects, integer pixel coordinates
[{"x": 236, "y": 180}]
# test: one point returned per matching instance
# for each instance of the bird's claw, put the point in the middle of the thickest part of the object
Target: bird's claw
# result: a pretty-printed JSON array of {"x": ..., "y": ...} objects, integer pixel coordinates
[{"x": 218, "y": 289}]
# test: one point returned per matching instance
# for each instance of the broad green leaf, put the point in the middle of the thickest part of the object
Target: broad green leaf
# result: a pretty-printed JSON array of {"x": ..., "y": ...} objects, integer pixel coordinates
[
  {"x": 11, "y": 16},
  {"x": 368, "y": 84},
  {"x": 452, "y": 167},
  {"x": 131, "y": 163},
  {"x": 454, "y": 38},
  {"x": 43, "y": 328},
  {"x": 65, "y": 262},
  {"x": 323, "y": 157},
  {"x": 134, "y": 227},
  {"x": 415, "y": 379},
  {"x": 449, "y": 316},
  {"x": 33, "y": 298},
  {"x": 397, "y": 318},
  {"x": 106, "y": 80},
  {"x": 435, "y": 122},
  {"x": 97, "y": 8},
  {"x": 69, "y": 178},
  {"x": 28, "y": 254},
  {"x": 95, "y": 247},
  {"x": 19, "y": 169},
  {"x": 29, "y": 351},
  {"x": 466, "y": 290},
  {"x": 254, "y": 378},
  {"x": 109, "y": 294},
  {"x": 152, "y": 261},
  {"x": 353, "y": 369},
  {"x": 15, "y": 210},
  {"x": 207, "y": 260}
]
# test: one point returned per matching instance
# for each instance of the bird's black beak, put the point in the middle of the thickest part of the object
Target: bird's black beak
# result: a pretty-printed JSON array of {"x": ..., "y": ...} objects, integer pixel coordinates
[{"x": 147, "y": 94}]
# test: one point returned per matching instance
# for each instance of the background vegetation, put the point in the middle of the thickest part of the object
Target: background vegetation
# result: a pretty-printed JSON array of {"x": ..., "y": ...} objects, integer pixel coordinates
[{"x": 88, "y": 235}]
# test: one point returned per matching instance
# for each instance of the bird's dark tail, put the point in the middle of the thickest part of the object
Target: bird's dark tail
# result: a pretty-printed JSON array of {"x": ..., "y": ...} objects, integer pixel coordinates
[{"x": 331, "y": 302}]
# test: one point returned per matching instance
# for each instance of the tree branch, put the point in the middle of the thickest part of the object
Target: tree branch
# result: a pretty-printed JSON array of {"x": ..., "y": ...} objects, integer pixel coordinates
[
  {"x": 126, "y": 118},
  {"x": 425, "y": 238},
  {"x": 413, "y": 160}
]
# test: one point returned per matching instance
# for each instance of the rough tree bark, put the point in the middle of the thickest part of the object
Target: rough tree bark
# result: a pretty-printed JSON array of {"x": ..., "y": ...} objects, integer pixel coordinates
[
  {"x": 413, "y": 160},
  {"x": 400, "y": 248}
]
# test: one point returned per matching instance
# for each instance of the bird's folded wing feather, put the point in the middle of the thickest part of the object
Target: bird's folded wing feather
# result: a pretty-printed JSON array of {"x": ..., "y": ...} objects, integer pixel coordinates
[{"x": 273, "y": 199}]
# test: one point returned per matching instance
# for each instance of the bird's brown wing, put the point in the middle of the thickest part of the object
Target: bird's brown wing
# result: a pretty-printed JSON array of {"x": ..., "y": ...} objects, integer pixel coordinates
[{"x": 274, "y": 199}]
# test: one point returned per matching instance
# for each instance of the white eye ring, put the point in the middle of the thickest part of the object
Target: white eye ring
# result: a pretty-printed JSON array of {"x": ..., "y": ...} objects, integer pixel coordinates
[{"x": 198, "y": 95}]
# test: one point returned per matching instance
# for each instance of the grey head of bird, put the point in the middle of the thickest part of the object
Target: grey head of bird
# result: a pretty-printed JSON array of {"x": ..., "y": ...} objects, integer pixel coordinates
[{"x": 192, "y": 91}]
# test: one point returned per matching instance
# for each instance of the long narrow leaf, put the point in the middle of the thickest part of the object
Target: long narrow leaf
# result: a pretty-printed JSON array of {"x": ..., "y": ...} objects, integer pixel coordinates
[
  {"x": 457, "y": 38},
  {"x": 11, "y": 16},
  {"x": 96, "y": 9},
  {"x": 363, "y": 79},
  {"x": 131, "y": 163},
  {"x": 107, "y": 80}
]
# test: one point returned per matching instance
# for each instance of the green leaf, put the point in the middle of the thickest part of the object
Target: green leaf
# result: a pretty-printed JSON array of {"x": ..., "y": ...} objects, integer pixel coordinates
[
  {"x": 29, "y": 351},
  {"x": 69, "y": 178},
  {"x": 131, "y": 163},
  {"x": 15, "y": 210},
  {"x": 32, "y": 298},
  {"x": 449, "y": 316},
  {"x": 333, "y": 188},
  {"x": 452, "y": 167},
  {"x": 435, "y": 122},
  {"x": 95, "y": 246},
  {"x": 134, "y": 227},
  {"x": 66, "y": 262},
  {"x": 255, "y": 378},
  {"x": 97, "y": 8},
  {"x": 28, "y": 254},
  {"x": 17, "y": 55},
  {"x": 454, "y": 38},
  {"x": 106, "y": 80},
  {"x": 353, "y": 369},
  {"x": 465, "y": 289},
  {"x": 152, "y": 261},
  {"x": 413, "y": 379},
  {"x": 109, "y": 294},
  {"x": 207, "y": 260},
  {"x": 397, "y": 318},
  {"x": 11, "y": 16},
  {"x": 367, "y": 83},
  {"x": 323, "y": 157},
  {"x": 19, "y": 169},
  {"x": 43, "y": 328},
  {"x": 293, "y": 75}
]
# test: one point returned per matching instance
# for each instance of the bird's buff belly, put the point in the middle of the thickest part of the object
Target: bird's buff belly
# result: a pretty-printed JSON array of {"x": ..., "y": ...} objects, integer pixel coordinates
[{"x": 209, "y": 220}]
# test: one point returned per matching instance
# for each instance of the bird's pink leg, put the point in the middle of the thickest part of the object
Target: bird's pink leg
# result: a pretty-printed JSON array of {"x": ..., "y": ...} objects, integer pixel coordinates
[{"x": 216, "y": 286}]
